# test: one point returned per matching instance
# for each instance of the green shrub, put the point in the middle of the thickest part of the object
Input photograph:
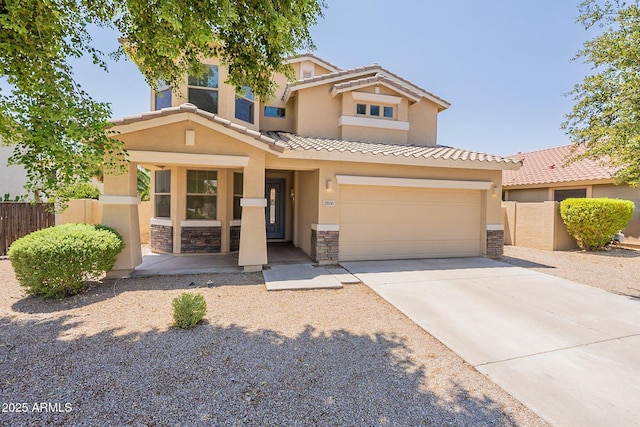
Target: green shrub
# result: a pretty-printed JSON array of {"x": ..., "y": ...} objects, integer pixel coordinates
[
  {"x": 59, "y": 261},
  {"x": 82, "y": 190},
  {"x": 594, "y": 222},
  {"x": 188, "y": 310}
]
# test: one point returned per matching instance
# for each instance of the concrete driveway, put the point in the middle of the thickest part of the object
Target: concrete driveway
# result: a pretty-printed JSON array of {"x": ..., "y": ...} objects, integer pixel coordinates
[{"x": 568, "y": 351}]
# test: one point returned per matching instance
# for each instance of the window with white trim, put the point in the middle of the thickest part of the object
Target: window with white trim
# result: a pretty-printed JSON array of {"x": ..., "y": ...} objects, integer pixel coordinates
[
  {"x": 162, "y": 194},
  {"x": 237, "y": 194},
  {"x": 375, "y": 111},
  {"x": 202, "y": 192},
  {"x": 245, "y": 105},
  {"x": 203, "y": 90}
]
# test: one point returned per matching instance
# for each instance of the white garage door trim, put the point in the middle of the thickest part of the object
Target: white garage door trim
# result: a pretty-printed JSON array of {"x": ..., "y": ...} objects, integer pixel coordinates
[{"x": 413, "y": 182}]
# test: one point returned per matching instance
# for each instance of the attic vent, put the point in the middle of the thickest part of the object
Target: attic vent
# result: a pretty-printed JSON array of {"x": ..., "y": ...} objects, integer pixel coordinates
[{"x": 307, "y": 74}]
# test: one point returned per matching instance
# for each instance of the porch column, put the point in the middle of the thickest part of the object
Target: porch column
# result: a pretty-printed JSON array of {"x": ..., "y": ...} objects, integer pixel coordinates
[
  {"x": 120, "y": 211},
  {"x": 253, "y": 236}
]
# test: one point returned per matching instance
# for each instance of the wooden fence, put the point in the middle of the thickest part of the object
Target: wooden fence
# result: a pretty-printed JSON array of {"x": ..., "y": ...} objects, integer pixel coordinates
[{"x": 19, "y": 219}]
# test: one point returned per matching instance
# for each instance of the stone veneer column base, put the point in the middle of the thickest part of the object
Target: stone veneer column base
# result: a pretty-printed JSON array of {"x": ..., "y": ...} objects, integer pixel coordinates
[
  {"x": 324, "y": 246},
  {"x": 495, "y": 243},
  {"x": 200, "y": 240},
  {"x": 161, "y": 238},
  {"x": 234, "y": 238}
]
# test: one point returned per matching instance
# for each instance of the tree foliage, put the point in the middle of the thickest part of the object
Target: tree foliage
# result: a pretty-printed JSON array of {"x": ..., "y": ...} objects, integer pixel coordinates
[
  {"x": 59, "y": 132},
  {"x": 605, "y": 119}
]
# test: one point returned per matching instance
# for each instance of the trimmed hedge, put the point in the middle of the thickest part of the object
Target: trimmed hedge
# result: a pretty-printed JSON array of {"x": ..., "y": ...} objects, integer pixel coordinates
[
  {"x": 59, "y": 261},
  {"x": 82, "y": 190},
  {"x": 594, "y": 222}
]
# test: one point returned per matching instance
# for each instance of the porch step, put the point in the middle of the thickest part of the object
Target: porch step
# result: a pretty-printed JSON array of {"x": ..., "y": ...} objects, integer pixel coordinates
[{"x": 300, "y": 276}]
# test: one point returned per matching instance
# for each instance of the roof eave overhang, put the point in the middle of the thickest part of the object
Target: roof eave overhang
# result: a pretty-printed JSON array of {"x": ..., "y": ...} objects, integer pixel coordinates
[
  {"x": 251, "y": 137},
  {"x": 556, "y": 184},
  {"x": 391, "y": 159},
  {"x": 408, "y": 95}
]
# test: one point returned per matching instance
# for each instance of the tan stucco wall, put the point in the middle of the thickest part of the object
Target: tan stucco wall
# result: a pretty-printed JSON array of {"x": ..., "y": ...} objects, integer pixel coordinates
[
  {"x": 536, "y": 225},
  {"x": 632, "y": 231},
  {"x": 307, "y": 202},
  {"x": 84, "y": 211},
  {"x": 318, "y": 112},
  {"x": 423, "y": 123}
]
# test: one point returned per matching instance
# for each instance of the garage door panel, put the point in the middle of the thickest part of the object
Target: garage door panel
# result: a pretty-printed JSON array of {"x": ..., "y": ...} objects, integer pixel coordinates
[{"x": 394, "y": 223}]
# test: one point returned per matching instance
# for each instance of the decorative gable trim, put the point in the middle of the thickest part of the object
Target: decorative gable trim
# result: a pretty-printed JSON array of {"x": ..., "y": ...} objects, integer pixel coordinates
[
  {"x": 376, "y": 97},
  {"x": 376, "y": 80}
]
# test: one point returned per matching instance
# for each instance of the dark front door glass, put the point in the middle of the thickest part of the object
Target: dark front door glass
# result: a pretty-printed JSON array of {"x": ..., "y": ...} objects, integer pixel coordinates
[{"x": 274, "y": 213}]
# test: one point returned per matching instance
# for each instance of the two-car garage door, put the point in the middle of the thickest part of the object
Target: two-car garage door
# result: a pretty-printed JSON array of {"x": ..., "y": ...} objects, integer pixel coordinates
[{"x": 400, "y": 222}]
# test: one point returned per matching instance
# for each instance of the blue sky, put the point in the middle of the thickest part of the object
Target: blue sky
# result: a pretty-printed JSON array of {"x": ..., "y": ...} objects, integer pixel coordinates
[{"x": 504, "y": 65}]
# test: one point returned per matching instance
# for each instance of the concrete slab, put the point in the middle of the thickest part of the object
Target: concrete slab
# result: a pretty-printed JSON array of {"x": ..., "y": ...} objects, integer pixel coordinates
[
  {"x": 342, "y": 275},
  {"x": 568, "y": 351},
  {"x": 298, "y": 277}
]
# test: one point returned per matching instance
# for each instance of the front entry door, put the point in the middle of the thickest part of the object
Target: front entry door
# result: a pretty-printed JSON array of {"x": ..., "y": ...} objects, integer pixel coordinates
[{"x": 274, "y": 214}]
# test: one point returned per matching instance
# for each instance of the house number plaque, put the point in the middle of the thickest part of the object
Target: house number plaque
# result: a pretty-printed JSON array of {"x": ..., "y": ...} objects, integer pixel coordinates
[{"x": 329, "y": 203}]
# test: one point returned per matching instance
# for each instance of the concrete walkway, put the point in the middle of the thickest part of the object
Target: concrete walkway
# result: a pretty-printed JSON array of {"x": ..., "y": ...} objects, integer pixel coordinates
[
  {"x": 280, "y": 277},
  {"x": 568, "y": 351}
]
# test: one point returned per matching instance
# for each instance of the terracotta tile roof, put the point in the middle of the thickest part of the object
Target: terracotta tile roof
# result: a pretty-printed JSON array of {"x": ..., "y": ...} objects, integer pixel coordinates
[
  {"x": 284, "y": 141},
  {"x": 312, "y": 56},
  {"x": 190, "y": 108},
  {"x": 374, "y": 68},
  {"x": 304, "y": 143},
  {"x": 548, "y": 166}
]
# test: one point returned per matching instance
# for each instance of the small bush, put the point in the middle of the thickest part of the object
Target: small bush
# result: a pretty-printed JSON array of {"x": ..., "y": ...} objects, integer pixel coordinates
[
  {"x": 82, "y": 190},
  {"x": 188, "y": 310},
  {"x": 59, "y": 261},
  {"x": 594, "y": 222}
]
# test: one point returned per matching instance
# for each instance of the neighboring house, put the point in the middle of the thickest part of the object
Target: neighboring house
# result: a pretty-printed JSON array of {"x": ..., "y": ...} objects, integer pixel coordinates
[
  {"x": 12, "y": 178},
  {"x": 546, "y": 176},
  {"x": 342, "y": 163}
]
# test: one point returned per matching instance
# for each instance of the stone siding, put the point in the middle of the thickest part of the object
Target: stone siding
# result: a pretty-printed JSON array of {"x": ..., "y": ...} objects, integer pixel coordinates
[
  {"x": 234, "y": 238},
  {"x": 161, "y": 238},
  {"x": 495, "y": 243},
  {"x": 200, "y": 240},
  {"x": 324, "y": 246}
]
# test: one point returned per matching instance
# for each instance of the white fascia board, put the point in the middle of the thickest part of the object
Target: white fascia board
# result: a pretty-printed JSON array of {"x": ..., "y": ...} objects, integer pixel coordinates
[
  {"x": 376, "y": 97},
  {"x": 373, "y": 123},
  {"x": 380, "y": 181},
  {"x": 495, "y": 227},
  {"x": 186, "y": 159}
]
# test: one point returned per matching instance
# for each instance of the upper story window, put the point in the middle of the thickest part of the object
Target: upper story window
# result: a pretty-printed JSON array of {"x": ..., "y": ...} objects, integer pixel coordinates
[
  {"x": 202, "y": 191},
  {"x": 375, "y": 111},
  {"x": 203, "y": 90},
  {"x": 274, "y": 112},
  {"x": 245, "y": 105},
  {"x": 162, "y": 98},
  {"x": 162, "y": 194}
]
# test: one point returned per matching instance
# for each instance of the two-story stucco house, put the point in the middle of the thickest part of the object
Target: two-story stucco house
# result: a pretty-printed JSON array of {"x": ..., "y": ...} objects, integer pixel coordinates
[{"x": 342, "y": 163}]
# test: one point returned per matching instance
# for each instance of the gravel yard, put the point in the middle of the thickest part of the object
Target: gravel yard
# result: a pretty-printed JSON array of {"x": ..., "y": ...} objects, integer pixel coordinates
[
  {"x": 615, "y": 270},
  {"x": 329, "y": 357}
]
